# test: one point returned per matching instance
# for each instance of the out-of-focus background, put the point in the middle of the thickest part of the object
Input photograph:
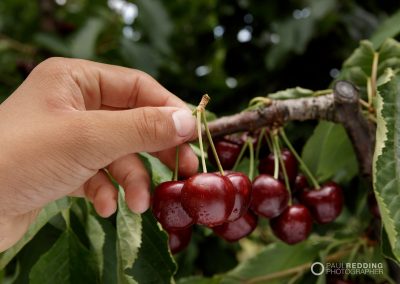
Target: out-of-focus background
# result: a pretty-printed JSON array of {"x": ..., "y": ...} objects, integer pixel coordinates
[{"x": 234, "y": 50}]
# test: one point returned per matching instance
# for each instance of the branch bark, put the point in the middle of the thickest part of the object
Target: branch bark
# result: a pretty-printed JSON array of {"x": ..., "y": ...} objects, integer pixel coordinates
[{"x": 340, "y": 107}]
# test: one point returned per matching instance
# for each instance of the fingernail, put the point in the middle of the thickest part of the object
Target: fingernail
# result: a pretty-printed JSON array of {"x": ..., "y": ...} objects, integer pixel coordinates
[{"x": 184, "y": 121}]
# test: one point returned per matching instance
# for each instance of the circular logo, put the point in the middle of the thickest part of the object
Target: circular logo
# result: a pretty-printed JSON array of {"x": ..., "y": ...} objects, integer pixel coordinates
[{"x": 317, "y": 271}]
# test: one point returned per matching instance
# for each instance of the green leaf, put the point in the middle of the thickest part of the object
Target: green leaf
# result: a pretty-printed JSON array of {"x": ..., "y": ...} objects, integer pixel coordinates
[
  {"x": 140, "y": 56},
  {"x": 129, "y": 233},
  {"x": 389, "y": 28},
  {"x": 68, "y": 261},
  {"x": 159, "y": 172},
  {"x": 44, "y": 216},
  {"x": 285, "y": 257},
  {"x": 53, "y": 43},
  {"x": 200, "y": 280},
  {"x": 96, "y": 237},
  {"x": 386, "y": 166},
  {"x": 83, "y": 45},
  {"x": 10, "y": 279},
  {"x": 110, "y": 267},
  {"x": 329, "y": 153},
  {"x": 154, "y": 264},
  {"x": 357, "y": 68},
  {"x": 292, "y": 93},
  {"x": 154, "y": 20}
]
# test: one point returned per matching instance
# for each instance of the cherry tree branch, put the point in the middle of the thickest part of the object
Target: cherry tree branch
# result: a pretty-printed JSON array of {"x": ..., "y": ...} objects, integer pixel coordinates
[{"x": 340, "y": 107}]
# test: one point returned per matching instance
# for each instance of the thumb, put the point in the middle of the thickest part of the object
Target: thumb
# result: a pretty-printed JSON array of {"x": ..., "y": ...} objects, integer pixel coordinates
[{"x": 147, "y": 129}]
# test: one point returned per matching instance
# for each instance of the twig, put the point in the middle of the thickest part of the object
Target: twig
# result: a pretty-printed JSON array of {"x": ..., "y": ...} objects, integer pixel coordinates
[{"x": 341, "y": 107}]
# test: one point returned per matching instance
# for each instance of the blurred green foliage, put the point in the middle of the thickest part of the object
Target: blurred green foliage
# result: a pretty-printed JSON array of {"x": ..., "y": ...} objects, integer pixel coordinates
[{"x": 234, "y": 50}]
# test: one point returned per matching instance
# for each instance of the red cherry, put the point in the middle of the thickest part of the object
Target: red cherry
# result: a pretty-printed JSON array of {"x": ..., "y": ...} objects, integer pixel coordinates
[
  {"x": 242, "y": 186},
  {"x": 267, "y": 165},
  {"x": 208, "y": 198},
  {"x": 324, "y": 204},
  {"x": 167, "y": 207},
  {"x": 242, "y": 227},
  {"x": 293, "y": 225},
  {"x": 269, "y": 196},
  {"x": 179, "y": 239},
  {"x": 373, "y": 206},
  {"x": 300, "y": 183},
  {"x": 227, "y": 151}
]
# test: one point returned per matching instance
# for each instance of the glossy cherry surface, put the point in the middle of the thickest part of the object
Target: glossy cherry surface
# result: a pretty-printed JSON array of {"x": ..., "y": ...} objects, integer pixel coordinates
[
  {"x": 293, "y": 225},
  {"x": 167, "y": 207},
  {"x": 325, "y": 204},
  {"x": 227, "y": 151},
  {"x": 240, "y": 228},
  {"x": 208, "y": 198},
  {"x": 243, "y": 187},
  {"x": 267, "y": 165},
  {"x": 179, "y": 239},
  {"x": 269, "y": 196},
  {"x": 300, "y": 183}
]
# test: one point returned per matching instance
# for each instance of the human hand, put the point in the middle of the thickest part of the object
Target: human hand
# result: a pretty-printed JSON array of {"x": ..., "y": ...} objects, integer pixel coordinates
[{"x": 70, "y": 119}]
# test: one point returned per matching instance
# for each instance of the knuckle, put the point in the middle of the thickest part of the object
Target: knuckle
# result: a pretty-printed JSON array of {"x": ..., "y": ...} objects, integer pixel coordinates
[
  {"x": 52, "y": 64},
  {"x": 147, "y": 124},
  {"x": 150, "y": 124},
  {"x": 52, "y": 68}
]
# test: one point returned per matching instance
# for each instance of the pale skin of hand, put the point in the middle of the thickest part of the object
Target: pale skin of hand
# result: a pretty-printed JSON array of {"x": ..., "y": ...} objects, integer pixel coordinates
[{"x": 70, "y": 120}]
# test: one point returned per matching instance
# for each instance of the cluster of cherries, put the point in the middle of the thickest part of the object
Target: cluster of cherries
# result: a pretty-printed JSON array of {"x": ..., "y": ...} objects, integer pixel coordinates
[{"x": 230, "y": 203}]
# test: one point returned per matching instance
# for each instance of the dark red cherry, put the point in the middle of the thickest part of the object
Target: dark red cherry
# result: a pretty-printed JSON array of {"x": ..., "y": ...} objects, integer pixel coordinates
[
  {"x": 179, "y": 239},
  {"x": 267, "y": 165},
  {"x": 242, "y": 186},
  {"x": 293, "y": 225},
  {"x": 240, "y": 228},
  {"x": 324, "y": 204},
  {"x": 167, "y": 207},
  {"x": 300, "y": 183},
  {"x": 227, "y": 151},
  {"x": 269, "y": 196},
  {"x": 373, "y": 206},
  {"x": 208, "y": 198}
]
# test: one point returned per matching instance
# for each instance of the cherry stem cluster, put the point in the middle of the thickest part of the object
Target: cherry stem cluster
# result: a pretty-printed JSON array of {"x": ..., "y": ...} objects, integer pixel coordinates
[
  {"x": 278, "y": 153},
  {"x": 176, "y": 170},
  {"x": 203, "y": 160},
  {"x": 249, "y": 142},
  {"x": 303, "y": 166},
  {"x": 201, "y": 117}
]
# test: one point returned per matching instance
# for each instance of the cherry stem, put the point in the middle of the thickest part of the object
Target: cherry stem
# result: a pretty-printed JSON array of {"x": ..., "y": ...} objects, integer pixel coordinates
[
  {"x": 175, "y": 176},
  {"x": 259, "y": 142},
  {"x": 276, "y": 160},
  {"x": 249, "y": 142},
  {"x": 239, "y": 158},
  {"x": 199, "y": 111},
  {"x": 299, "y": 160},
  {"x": 210, "y": 140},
  {"x": 269, "y": 142},
  {"x": 282, "y": 163}
]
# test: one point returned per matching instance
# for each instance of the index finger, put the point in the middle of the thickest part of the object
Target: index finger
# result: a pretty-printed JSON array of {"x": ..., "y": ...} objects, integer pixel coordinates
[{"x": 114, "y": 86}]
